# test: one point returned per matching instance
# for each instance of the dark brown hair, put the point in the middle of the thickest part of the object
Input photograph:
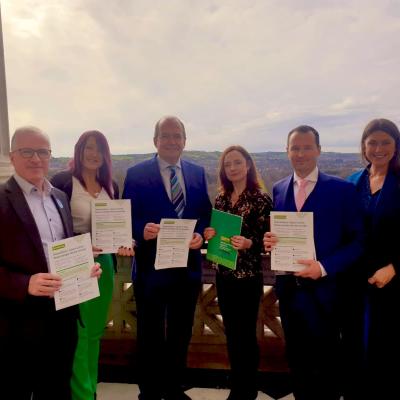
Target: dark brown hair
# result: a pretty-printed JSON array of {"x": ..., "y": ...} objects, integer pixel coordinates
[
  {"x": 304, "y": 129},
  {"x": 253, "y": 179},
  {"x": 104, "y": 174},
  {"x": 389, "y": 127}
]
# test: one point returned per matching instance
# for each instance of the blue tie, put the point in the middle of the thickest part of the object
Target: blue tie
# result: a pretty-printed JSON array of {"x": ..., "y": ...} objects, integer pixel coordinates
[{"x": 177, "y": 198}]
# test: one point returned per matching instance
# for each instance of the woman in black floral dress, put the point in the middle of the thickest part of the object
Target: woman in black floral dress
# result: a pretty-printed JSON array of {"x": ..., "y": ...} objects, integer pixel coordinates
[{"x": 239, "y": 291}]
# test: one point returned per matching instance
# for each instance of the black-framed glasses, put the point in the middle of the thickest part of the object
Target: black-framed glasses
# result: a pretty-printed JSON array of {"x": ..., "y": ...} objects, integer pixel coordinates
[{"x": 26, "y": 152}]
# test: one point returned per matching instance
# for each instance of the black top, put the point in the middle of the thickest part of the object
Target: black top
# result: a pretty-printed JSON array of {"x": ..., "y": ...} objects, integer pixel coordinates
[{"x": 254, "y": 206}]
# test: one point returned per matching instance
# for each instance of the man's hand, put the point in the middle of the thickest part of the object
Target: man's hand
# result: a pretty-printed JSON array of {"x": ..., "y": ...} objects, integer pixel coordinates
[
  {"x": 312, "y": 269},
  {"x": 150, "y": 231},
  {"x": 383, "y": 276},
  {"x": 96, "y": 271},
  {"x": 196, "y": 241},
  {"x": 240, "y": 242},
  {"x": 209, "y": 233},
  {"x": 270, "y": 240},
  {"x": 44, "y": 284}
]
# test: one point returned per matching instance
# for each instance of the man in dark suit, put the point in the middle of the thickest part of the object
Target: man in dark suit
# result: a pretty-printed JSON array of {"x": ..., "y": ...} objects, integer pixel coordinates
[
  {"x": 165, "y": 187},
  {"x": 308, "y": 299},
  {"x": 37, "y": 343}
]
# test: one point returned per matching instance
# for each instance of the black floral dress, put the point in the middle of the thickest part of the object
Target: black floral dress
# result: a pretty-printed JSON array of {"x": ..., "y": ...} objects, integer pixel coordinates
[{"x": 254, "y": 207}]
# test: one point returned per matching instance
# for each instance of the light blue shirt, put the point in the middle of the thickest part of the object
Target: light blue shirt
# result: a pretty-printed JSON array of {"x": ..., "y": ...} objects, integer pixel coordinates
[
  {"x": 166, "y": 175},
  {"x": 44, "y": 211}
]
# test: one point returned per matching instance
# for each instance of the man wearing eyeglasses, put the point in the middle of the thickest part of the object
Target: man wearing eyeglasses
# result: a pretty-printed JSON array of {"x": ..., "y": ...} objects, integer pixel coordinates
[
  {"x": 165, "y": 187},
  {"x": 37, "y": 343}
]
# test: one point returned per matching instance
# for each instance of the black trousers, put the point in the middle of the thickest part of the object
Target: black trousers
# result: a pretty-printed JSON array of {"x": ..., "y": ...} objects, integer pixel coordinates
[
  {"x": 36, "y": 356},
  {"x": 166, "y": 302},
  {"x": 312, "y": 332},
  {"x": 239, "y": 301}
]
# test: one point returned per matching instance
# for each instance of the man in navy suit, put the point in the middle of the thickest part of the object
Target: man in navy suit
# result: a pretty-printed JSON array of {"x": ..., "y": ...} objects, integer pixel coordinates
[
  {"x": 165, "y": 187},
  {"x": 309, "y": 299}
]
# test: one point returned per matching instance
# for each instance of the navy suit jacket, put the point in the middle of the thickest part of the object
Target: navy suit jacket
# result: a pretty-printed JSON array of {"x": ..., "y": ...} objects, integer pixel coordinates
[
  {"x": 150, "y": 203},
  {"x": 338, "y": 229},
  {"x": 382, "y": 238}
]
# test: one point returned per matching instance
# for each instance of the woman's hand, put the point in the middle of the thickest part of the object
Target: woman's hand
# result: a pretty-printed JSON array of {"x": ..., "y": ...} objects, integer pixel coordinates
[
  {"x": 240, "y": 242},
  {"x": 209, "y": 233},
  {"x": 96, "y": 271},
  {"x": 383, "y": 276},
  {"x": 270, "y": 240},
  {"x": 126, "y": 251}
]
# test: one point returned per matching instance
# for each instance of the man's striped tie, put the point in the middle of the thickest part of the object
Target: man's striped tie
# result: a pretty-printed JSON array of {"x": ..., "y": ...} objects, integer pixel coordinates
[{"x": 177, "y": 197}]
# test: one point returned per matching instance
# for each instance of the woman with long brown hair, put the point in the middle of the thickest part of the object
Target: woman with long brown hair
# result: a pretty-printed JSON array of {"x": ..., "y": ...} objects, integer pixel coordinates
[
  {"x": 90, "y": 177},
  {"x": 379, "y": 187},
  {"x": 239, "y": 290}
]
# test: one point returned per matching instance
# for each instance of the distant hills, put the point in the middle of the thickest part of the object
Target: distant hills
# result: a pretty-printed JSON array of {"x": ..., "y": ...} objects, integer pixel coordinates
[{"x": 271, "y": 165}]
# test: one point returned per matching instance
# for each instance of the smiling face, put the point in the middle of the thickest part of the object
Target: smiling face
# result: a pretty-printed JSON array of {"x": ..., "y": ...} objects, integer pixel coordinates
[
  {"x": 170, "y": 140},
  {"x": 92, "y": 157},
  {"x": 379, "y": 148},
  {"x": 303, "y": 152},
  {"x": 235, "y": 167},
  {"x": 34, "y": 169}
]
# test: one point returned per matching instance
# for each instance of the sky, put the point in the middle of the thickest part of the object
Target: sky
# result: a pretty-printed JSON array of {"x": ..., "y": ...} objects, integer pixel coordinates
[{"x": 235, "y": 71}]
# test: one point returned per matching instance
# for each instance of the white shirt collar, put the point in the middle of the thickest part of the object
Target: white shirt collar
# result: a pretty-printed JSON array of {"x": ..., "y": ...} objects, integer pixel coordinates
[
  {"x": 27, "y": 187},
  {"x": 311, "y": 177},
  {"x": 164, "y": 164}
]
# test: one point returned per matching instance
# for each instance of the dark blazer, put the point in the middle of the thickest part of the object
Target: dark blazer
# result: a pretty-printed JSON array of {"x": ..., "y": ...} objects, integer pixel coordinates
[
  {"x": 150, "y": 202},
  {"x": 382, "y": 237},
  {"x": 22, "y": 255},
  {"x": 338, "y": 229},
  {"x": 63, "y": 181}
]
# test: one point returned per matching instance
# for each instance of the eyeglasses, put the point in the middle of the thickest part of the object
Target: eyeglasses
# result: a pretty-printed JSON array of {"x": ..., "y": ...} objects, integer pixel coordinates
[{"x": 26, "y": 152}]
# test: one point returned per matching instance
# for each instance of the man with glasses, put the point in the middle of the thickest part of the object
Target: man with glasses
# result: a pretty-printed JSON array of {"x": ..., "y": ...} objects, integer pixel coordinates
[
  {"x": 37, "y": 343},
  {"x": 165, "y": 187}
]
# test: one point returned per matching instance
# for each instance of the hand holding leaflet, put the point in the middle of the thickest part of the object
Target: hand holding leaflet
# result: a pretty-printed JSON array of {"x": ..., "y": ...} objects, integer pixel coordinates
[
  {"x": 173, "y": 242},
  {"x": 72, "y": 259},
  {"x": 111, "y": 224},
  {"x": 295, "y": 240}
]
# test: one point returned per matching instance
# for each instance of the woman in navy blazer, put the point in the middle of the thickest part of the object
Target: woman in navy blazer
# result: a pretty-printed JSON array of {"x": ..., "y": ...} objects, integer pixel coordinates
[{"x": 379, "y": 187}]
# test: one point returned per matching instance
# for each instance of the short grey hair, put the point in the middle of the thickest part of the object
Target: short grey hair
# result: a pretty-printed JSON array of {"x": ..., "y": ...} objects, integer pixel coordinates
[
  {"x": 23, "y": 130},
  {"x": 168, "y": 118}
]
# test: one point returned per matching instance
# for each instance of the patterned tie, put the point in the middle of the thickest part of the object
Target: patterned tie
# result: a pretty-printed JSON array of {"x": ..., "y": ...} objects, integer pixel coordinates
[
  {"x": 177, "y": 198},
  {"x": 301, "y": 193}
]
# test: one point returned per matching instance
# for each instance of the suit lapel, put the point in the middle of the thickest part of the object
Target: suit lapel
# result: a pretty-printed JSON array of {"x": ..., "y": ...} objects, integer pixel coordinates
[
  {"x": 65, "y": 217},
  {"x": 21, "y": 207},
  {"x": 288, "y": 194},
  {"x": 156, "y": 182}
]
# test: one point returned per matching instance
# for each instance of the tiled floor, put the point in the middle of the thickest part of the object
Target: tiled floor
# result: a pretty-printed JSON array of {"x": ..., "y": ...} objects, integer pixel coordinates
[{"x": 122, "y": 391}]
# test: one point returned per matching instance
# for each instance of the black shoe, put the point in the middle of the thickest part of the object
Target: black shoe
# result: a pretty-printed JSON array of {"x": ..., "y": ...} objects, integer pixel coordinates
[{"x": 241, "y": 395}]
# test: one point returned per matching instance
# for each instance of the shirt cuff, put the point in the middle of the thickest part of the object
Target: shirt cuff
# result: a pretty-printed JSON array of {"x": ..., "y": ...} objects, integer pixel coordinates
[{"x": 323, "y": 271}]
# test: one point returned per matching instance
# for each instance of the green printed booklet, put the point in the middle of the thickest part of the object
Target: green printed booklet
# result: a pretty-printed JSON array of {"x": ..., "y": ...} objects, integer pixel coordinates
[{"x": 219, "y": 248}]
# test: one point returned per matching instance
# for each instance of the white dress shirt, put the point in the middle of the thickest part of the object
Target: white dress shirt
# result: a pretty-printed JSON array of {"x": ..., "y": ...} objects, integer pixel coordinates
[
  {"x": 44, "y": 211},
  {"x": 81, "y": 206},
  {"x": 312, "y": 179},
  {"x": 166, "y": 175}
]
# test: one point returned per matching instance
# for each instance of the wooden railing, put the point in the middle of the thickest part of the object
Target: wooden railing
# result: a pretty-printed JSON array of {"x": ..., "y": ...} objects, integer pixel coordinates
[{"x": 208, "y": 345}]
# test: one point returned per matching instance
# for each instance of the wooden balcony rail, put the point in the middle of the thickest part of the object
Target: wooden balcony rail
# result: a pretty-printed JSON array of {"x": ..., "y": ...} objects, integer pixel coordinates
[{"x": 208, "y": 345}]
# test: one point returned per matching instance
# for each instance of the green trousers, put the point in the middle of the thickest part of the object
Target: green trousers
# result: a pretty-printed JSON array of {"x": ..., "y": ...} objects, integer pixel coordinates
[{"x": 94, "y": 318}]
